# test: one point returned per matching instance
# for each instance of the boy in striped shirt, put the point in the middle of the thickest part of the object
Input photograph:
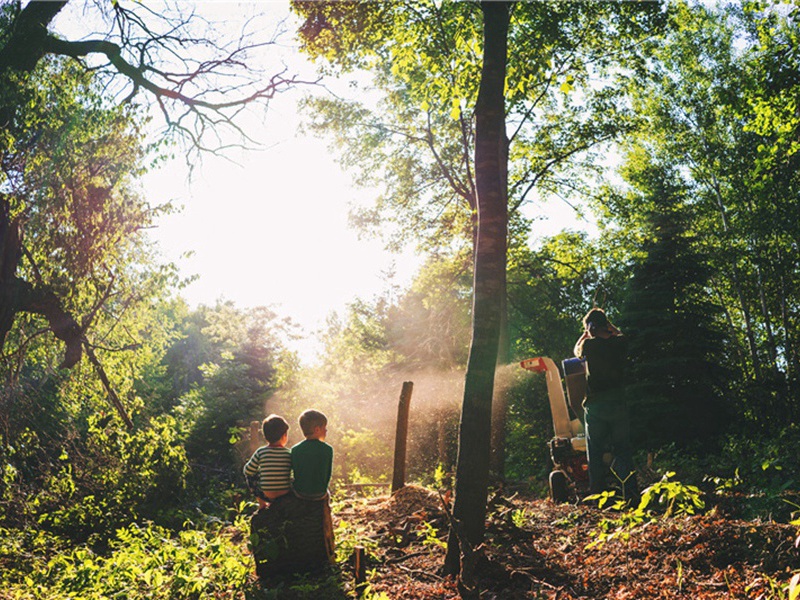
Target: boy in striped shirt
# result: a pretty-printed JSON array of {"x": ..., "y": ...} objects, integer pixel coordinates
[{"x": 268, "y": 472}]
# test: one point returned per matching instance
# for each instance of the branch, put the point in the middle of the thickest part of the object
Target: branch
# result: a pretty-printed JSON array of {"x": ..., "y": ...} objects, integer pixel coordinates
[
  {"x": 42, "y": 301},
  {"x": 25, "y": 45},
  {"x": 113, "y": 53},
  {"x": 112, "y": 395},
  {"x": 448, "y": 175},
  {"x": 548, "y": 166}
]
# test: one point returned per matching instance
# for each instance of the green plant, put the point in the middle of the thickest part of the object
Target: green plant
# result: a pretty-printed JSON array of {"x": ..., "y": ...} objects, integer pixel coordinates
[
  {"x": 430, "y": 535},
  {"x": 519, "y": 517},
  {"x": 142, "y": 562},
  {"x": 678, "y": 498},
  {"x": 793, "y": 590},
  {"x": 348, "y": 536},
  {"x": 367, "y": 593},
  {"x": 768, "y": 588},
  {"x": 674, "y": 497},
  {"x": 723, "y": 485},
  {"x": 441, "y": 479},
  {"x": 619, "y": 526}
]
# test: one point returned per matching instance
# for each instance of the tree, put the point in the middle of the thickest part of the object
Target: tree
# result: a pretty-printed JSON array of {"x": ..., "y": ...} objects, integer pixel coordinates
[
  {"x": 68, "y": 178},
  {"x": 489, "y": 288},
  {"x": 677, "y": 380},
  {"x": 425, "y": 56},
  {"x": 412, "y": 138},
  {"x": 415, "y": 144},
  {"x": 199, "y": 86},
  {"x": 742, "y": 178}
]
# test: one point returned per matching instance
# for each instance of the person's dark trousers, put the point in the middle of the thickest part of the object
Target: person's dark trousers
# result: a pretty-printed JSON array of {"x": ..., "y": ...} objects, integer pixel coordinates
[{"x": 608, "y": 428}]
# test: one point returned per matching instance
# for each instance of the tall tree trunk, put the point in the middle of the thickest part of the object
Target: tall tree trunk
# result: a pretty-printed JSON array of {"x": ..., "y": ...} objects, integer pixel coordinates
[
  {"x": 497, "y": 458},
  {"x": 472, "y": 465},
  {"x": 788, "y": 338},
  {"x": 10, "y": 254}
]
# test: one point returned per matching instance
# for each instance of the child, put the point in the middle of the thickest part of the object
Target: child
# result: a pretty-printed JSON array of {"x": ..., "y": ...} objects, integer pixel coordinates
[
  {"x": 270, "y": 467},
  {"x": 312, "y": 459}
]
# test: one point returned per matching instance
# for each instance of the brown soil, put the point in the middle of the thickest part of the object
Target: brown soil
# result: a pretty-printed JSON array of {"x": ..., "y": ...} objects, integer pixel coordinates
[{"x": 537, "y": 549}]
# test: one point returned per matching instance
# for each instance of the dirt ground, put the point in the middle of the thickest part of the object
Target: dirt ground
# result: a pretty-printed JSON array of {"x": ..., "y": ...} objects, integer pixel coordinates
[{"x": 537, "y": 549}]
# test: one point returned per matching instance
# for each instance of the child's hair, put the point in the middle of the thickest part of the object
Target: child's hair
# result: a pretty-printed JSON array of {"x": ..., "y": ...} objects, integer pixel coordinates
[
  {"x": 310, "y": 419},
  {"x": 274, "y": 427},
  {"x": 595, "y": 319}
]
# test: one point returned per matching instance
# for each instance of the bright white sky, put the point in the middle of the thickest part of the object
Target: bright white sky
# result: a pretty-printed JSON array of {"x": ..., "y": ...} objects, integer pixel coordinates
[
  {"x": 269, "y": 227},
  {"x": 272, "y": 229}
]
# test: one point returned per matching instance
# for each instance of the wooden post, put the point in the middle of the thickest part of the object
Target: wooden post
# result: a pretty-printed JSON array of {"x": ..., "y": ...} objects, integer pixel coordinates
[
  {"x": 360, "y": 569},
  {"x": 401, "y": 437},
  {"x": 255, "y": 436}
]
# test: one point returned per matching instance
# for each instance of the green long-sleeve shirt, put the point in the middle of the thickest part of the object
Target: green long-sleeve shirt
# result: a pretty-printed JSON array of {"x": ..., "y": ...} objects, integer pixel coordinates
[{"x": 312, "y": 464}]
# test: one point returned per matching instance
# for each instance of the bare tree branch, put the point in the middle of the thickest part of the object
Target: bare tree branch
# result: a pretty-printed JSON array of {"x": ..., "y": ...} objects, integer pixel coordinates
[{"x": 112, "y": 395}]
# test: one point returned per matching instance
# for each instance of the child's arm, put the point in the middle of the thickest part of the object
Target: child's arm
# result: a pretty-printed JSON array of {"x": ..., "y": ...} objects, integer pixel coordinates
[
  {"x": 251, "y": 477},
  {"x": 251, "y": 466},
  {"x": 329, "y": 471}
]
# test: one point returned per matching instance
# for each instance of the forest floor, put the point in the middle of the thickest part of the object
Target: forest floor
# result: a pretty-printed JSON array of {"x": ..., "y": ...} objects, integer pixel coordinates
[{"x": 537, "y": 549}]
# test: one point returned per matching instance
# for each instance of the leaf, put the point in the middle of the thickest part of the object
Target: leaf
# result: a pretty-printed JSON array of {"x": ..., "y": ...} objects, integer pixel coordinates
[
  {"x": 455, "y": 112},
  {"x": 794, "y": 588}
]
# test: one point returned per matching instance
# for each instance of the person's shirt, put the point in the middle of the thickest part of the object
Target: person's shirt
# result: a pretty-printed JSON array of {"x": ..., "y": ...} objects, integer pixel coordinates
[
  {"x": 273, "y": 466},
  {"x": 312, "y": 464},
  {"x": 606, "y": 362}
]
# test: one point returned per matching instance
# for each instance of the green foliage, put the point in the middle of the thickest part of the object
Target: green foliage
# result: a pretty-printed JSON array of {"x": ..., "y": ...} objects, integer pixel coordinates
[
  {"x": 348, "y": 536},
  {"x": 220, "y": 374},
  {"x": 751, "y": 476},
  {"x": 142, "y": 562},
  {"x": 100, "y": 482},
  {"x": 529, "y": 428},
  {"x": 740, "y": 216},
  {"x": 547, "y": 291},
  {"x": 364, "y": 455},
  {"x": 665, "y": 497},
  {"x": 675, "y": 381},
  {"x": 440, "y": 477},
  {"x": 673, "y": 497},
  {"x": 430, "y": 535},
  {"x": 70, "y": 164},
  {"x": 519, "y": 517},
  {"x": 413, "y": 139}
]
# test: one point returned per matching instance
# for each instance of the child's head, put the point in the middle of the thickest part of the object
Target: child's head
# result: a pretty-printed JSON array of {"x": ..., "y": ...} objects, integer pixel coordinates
[
  {"x": 595, "y": 321},
  {"x": 313, "y": 424},
  {"x": 274, "y": 428}
]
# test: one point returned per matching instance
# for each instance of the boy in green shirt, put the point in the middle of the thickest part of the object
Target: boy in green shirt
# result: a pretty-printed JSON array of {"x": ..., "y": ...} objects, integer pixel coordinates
[{"x": 312, "y": 459}]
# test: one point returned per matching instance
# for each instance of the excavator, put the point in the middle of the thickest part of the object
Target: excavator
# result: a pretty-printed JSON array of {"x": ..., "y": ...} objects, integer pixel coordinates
[{"x": 570, "y": 475}]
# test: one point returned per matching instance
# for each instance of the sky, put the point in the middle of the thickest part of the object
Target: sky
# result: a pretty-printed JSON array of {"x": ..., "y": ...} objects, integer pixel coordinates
[
  {"x": 272, "y": 230},
  {"x": 269, "y": 227}
]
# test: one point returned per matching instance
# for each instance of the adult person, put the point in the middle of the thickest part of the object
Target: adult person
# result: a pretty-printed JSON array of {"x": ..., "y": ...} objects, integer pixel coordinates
[{"x": 606, "y": 417}]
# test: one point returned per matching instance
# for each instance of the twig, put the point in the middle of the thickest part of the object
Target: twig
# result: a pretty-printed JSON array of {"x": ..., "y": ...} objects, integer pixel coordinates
[
  {"x": 112, "y": 395},
  {"x": 420, "y": 573},
  {"x": 533, "y": 579},
  {"x": 404, "y": 557}
]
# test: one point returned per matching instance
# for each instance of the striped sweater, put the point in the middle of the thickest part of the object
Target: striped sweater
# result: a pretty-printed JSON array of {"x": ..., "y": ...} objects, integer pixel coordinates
[{"x": 273, "y": 466}]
